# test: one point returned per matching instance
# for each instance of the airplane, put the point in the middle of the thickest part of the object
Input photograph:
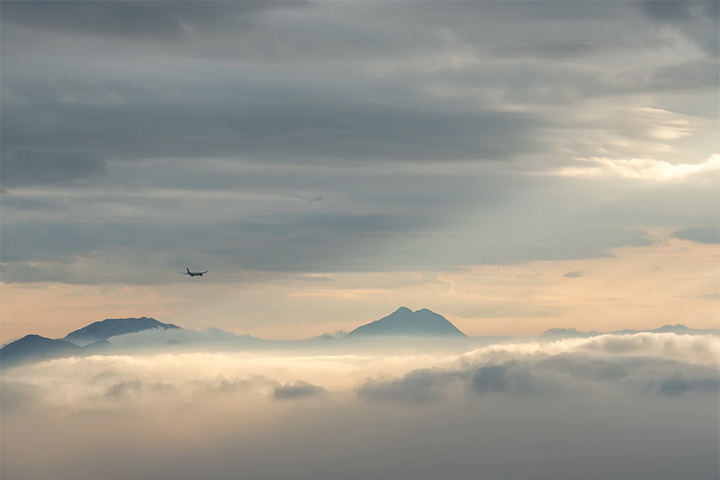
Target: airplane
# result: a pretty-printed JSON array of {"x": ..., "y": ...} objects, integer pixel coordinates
[{"x": 193, "y": 274}]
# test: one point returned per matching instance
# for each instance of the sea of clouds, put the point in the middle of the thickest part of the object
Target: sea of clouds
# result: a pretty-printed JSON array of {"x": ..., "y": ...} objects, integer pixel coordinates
[{"x": 642, "y": 406}]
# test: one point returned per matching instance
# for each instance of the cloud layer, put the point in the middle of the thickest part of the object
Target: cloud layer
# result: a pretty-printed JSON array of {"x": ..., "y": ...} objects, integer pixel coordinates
[
  {"x": 326, "y": 137},
  {"x": 363, "y": 413}
]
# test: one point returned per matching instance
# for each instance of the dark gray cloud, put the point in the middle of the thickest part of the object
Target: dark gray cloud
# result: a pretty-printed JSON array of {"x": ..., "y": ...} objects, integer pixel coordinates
[
  {"x": 698, "y": 234},
  {"x": 155, "y": 20},
  {"x": 413, "y": 127},
  {"x": 552, "y": 51},
  {"x": 696, "y": 20},
  {"x": 679, "y": 385},
  {"x": 573, "y": 274},
  {"x": 288, "y": 114},
  {"x": 544, "y": 376},
  {"x": 691, "y": 75},
  {"x": 510, "y": 378},
  {"x": 297, "y": 390},
  {"x": 132, "y": 389},
  {"x": 681, "y": 11},
  {"x": 233, "y": 221},
  {"x": 28, "y": 167},
  {"x": 551, "y": 84},
  {"x": 492, "y": 379},
  {"x": 604, "y": 369},
  {"x": 421, "y": 386},
  {"x": 276, "y": 243},
  {"x": 123, "y": 389},
  {"x": 289, "y": 132}
]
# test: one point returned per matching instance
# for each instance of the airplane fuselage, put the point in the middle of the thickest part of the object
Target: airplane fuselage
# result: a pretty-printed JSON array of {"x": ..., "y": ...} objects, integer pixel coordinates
[{"x": 193, "y": 274}]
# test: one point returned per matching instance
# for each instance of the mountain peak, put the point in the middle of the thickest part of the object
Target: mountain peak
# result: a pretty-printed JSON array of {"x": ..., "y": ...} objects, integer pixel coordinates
[
  {"x": 110, "y": 327},
  {"x": 31, "y": 337},
  {"x": 34, "y": 348},
  {"x": 678, "y": 328},
  {"x": 562, "y": 331},
  {"x": 405, "y": 322}
]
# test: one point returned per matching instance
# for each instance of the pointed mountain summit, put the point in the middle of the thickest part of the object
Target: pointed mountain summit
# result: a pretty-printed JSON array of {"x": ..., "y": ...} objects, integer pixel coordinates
[
  {"x": 405, "y": 322},
  {"x": 114, "y": 326}
]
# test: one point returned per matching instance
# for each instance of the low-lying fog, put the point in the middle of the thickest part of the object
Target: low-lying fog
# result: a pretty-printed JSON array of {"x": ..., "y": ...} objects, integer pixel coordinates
[{"x": 641, "y": 406}]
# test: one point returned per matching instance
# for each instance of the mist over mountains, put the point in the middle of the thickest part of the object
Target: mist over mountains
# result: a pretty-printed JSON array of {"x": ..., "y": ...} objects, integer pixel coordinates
[
  {"x": 560, "y": 333},
  {"x": 158, "y": 394},
  {"x": 401, "y": 329},
  {"x": 287, "y": 414},
  {"x": 35, "y": 348},
  {"x": 112, "y": 327},
  {"x": 89, "y": 340}
]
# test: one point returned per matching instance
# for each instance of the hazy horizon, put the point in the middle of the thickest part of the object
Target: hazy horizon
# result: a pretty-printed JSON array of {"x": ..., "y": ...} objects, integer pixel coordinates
[{"x": 211, "y": 330}]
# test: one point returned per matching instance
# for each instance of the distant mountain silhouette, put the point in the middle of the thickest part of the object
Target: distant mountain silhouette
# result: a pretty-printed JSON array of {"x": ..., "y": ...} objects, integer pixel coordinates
[
  {"x": 101, "y": 346},
  {"x": 557, "y": 333},
  {"x": 680, "y": 330},
  {"x": 405, "y": 322},
  {"x": 34, "y": 348},
  {"x": 567, "y": 333},
  {"x": 114, "y": 326},
  {"x": 331, "y": 336}
]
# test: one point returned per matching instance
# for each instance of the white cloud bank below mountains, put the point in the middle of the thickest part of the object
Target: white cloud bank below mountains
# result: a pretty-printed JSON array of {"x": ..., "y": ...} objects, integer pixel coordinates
[
  {"x": 646, "y": 401},
  {"x": 613, "y": 360}
]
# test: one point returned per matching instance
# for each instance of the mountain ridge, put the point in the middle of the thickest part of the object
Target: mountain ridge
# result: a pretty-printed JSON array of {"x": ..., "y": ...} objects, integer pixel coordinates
[
  {"x": 678, "y": 329},
  {"x": 34, "y": 348},
  {"x": 110, "y": 327},
  {"x": 93, "y": 338}
]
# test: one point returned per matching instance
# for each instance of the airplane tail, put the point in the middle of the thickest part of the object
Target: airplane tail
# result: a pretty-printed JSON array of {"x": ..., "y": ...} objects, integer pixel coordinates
[{"x": 188, "y": 270}]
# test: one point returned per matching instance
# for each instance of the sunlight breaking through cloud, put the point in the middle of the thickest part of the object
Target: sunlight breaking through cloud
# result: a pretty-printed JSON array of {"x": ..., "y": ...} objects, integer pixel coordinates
[{"x": 640, "y": 168}]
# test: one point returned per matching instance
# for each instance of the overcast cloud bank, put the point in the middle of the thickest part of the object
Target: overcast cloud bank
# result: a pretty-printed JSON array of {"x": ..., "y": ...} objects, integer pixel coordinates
[{"x": 285, "y": 137}]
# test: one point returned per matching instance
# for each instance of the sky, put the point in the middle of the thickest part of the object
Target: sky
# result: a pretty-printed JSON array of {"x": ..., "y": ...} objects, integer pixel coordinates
[{"x": 514, "y": 166}]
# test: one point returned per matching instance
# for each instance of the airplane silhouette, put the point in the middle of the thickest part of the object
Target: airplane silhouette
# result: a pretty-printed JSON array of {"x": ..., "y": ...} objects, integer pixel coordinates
[{"x": 193, "y": 274}]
